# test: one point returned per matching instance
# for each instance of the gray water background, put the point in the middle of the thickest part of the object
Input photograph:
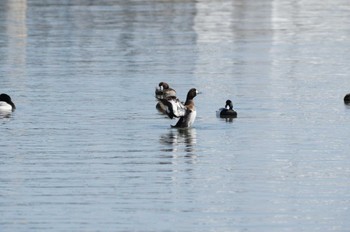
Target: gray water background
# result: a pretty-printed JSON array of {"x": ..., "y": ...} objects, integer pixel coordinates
[{"x": 86, "y": 149}]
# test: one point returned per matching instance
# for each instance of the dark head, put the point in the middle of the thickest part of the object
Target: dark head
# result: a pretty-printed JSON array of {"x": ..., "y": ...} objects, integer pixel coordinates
[
  {"x": 347, "y": 99},
  {"x": 228, "y": 111},
  {"x": 6, "y": 98},
  {"x": 164, "y": 85},
  {"x": 229, "y": 104},
  {"x": 191, "y": 94}
]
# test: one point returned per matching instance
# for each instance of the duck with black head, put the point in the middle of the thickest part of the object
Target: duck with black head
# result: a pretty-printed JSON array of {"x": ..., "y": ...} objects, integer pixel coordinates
[
  {"x": 227, "y": 111},
  {"x": 6, "y": 104},
  {"x": 163, "y": 92},
  {"x": 347, "y": 99},
  {"x": 185, "y": 112}
]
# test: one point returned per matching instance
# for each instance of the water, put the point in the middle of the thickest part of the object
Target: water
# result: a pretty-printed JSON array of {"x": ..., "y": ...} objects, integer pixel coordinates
[{"x": 86, "y": 149}]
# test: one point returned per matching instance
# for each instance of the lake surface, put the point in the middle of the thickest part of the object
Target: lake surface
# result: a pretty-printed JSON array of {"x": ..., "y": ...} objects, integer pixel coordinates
[{"x": 86, "y": 149}]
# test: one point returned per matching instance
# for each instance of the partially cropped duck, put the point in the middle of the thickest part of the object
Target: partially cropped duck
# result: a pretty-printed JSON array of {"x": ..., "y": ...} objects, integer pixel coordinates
[
  {"x": 6, "y": 103},
  {"x": 347, "y": 99},
  {"x": 228, "y": 111},
  {"x": 164, "y": 91},
  {"x": 185, "y": 112}
]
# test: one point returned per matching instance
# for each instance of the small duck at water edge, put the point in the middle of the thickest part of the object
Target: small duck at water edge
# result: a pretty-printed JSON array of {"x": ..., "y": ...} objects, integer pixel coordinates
[
  {"x": 6, "y": 104},
  {"x": 227, "y": 112},
  {"x": 185, "y": 112}
]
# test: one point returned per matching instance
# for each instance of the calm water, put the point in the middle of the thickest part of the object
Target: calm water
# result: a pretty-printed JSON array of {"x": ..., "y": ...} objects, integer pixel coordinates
[{"x": 86, "y": 149}]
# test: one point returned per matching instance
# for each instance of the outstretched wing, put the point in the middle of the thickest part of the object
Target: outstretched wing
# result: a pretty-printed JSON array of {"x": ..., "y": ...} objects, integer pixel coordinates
[{"x": 175, "y": 108}]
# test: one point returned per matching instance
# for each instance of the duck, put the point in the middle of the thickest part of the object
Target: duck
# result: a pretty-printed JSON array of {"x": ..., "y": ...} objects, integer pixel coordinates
[
  {"x": 185, "y": 112},
  {"x": 6, "y": 103},
  {"x": 164, "y": 91},
  {"x": 347, "y": 99},
  {"x": 228, "y": 111}
]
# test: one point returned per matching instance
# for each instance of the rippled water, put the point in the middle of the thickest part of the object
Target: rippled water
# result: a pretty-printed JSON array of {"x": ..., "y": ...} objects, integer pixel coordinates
[{"x": 86, "y": 149}]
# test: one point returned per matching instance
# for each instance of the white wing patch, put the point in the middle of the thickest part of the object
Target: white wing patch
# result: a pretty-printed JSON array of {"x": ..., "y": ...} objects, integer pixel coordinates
[{"x": 177, "y": 108}]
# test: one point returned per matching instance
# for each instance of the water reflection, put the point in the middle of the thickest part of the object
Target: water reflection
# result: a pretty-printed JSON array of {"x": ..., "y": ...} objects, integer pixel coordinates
[
  {"x": 16, "y": 34},
  {"x": 212, "y": 22},
  {"x": 5, "y": 114},
  {"x": 84, "y": 64},
  {"x": 179, "y": 140},
  {"x": 228, "y": 119}
]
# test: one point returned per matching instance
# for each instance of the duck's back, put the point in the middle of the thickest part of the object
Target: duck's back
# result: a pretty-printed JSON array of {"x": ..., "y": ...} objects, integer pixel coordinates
[{"x": 228, "y": 113}]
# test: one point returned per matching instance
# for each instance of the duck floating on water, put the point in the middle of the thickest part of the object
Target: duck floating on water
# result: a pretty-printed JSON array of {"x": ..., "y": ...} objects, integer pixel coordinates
[
  {"x": 228, "y": 111},
  {"x": 163, "y": 92},
  {"x": 347, "y": 99},
  {"x": 6, "y": 103},
  {"x": 185, "y": 112}
]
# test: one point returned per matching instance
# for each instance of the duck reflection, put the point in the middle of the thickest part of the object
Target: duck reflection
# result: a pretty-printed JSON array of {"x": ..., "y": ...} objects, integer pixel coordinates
[
  {"x": 177, "y": 140},
  {"x": 229, "y": 120},
  {"x": 5, "y": 114}
]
